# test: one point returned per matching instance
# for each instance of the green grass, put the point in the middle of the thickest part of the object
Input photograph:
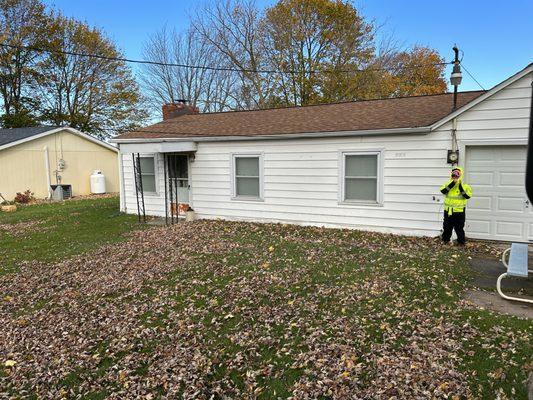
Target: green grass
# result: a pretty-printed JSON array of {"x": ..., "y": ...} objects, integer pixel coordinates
[
  {"x": 360, "y": 289},
  {"x": 65, "y": 229}
]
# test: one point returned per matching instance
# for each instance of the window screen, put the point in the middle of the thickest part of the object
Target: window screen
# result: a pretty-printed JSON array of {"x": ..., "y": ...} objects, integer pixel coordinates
[
  {"x": 247, "y": 177},
  {"x": 361, "y": 177},
  {"x": 148, "y": 174}
]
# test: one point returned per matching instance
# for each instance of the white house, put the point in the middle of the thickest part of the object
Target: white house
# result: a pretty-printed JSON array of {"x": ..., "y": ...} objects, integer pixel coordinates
[{"x": 372, "y": 165}]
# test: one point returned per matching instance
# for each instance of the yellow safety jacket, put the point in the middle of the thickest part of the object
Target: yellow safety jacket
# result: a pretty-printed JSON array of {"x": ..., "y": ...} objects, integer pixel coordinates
[{"x": 456, "y": 194}]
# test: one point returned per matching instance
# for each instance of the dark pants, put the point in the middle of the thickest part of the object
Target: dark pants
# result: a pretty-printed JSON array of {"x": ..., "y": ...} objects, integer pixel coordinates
[{"x": 455, "y": 221}]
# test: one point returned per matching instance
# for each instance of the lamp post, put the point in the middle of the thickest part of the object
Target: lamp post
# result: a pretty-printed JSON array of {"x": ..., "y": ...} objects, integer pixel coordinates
[{"x": 456, "y": 77}]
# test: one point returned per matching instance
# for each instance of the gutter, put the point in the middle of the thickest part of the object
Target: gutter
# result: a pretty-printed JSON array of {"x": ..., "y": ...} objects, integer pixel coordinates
[{"x": 373, "y": 132}]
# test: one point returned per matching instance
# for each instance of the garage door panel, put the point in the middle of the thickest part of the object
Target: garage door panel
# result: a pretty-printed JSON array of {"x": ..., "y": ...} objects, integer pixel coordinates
[
  {"x": 486, "y": 155},
  {"x": 481, "y": 179},
  {"x": 508, "y": 228},
  {"x": 482, "y": 203},
  {"x": 511, "y": 204},
  {"x": 478, "y": 226},
  {"x": 513, "y": 153},
  {"x": 498, "y": 209},
  {"x": 516, "y": 179}
]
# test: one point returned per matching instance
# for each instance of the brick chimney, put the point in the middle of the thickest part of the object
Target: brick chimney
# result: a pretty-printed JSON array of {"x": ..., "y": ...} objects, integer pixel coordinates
[{"x": 180, "y": 107}]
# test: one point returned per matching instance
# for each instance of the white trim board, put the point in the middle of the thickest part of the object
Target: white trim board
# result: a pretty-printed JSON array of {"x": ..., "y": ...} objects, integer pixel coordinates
[{"x": 57, "y": 130}]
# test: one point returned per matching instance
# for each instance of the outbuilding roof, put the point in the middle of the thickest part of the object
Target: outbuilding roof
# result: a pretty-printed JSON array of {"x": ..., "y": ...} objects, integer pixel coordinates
[
  {"x": 16, "y": 134},
  {"x": 393, "y": 113}
]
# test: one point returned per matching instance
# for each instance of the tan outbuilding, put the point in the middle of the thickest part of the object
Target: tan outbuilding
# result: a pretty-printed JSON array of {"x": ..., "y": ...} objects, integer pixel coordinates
[{"x": 39, "y": 158}]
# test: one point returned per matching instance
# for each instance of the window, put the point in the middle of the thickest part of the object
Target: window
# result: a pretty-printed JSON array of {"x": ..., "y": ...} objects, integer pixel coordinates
[
  {"x": 148, "y": 174},
  {"x": 247, "y": 176},
  {"x": 361, "y": 178}
]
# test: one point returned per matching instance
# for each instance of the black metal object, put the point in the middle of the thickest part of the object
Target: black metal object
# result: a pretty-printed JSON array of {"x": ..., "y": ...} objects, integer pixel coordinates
[
  {"x": 171, "y": 193},
  {"x": 166, "y": 192},
  {"x": 176, "y": 171},
  {"x": 453, "y": 157},
  {"x": 529, "y": 163},
  {"x": 139, "y": 193}
]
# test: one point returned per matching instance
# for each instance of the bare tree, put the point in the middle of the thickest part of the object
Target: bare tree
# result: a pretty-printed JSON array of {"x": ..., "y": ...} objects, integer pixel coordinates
[
  {"x": 233, "y": 29},
  {"x": 209, "y": 90}
]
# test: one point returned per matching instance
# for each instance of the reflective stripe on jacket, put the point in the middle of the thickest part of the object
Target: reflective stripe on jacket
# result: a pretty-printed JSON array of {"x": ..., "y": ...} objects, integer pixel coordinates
[{"x": 456, "y": 195}]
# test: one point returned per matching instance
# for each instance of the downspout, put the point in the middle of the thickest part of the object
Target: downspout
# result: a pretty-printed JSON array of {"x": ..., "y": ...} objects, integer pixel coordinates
[{"x": 47, "y": 168}]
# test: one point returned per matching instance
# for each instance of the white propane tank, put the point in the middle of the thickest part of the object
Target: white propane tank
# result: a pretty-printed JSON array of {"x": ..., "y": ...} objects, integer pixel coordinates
[{"x": 97, "y": 182}]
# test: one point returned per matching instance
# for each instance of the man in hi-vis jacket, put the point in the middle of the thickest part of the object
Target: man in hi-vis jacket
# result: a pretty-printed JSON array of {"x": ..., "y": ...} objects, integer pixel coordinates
[{"x": 456, "y": 194}]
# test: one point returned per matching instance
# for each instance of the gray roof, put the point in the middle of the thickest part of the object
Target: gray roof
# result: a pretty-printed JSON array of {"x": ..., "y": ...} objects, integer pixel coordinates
[{"x": 16, "y": 134}]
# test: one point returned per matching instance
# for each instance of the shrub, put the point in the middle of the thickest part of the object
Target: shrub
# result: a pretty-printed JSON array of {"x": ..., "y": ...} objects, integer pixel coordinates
[{"x": 25, "y": 197}]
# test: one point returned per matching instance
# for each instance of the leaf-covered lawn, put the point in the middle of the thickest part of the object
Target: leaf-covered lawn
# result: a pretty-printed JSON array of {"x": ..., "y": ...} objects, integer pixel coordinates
[{"x": 216, "y": 309}]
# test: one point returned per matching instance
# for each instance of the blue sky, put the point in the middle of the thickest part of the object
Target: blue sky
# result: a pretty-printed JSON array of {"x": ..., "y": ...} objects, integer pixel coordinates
[{"x": 496, "y": 36}]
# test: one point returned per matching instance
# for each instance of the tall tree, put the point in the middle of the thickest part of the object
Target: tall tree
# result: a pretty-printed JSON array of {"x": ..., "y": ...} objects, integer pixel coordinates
[
  {"x": 209, "y": 90},
  {"x": 391, "y": 73},
  {"x": 232, "y": 28},
  {"x": 415, "y": 72},
  {"x": 23, "y": 23},
  {"x": 92, "y": 94},
  {"x": 309, "y": 37}
]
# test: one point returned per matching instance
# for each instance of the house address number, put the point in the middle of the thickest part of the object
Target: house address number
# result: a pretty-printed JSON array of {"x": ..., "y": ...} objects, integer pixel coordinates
[{"x": 400, "y": 155}]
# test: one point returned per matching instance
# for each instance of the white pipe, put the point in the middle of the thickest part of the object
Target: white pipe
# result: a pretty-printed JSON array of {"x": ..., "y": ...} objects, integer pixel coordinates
[
  {"x": 122, "y": 191},
  {"x": 454, "y": 134},
  {"x": 47, "y": 167}
]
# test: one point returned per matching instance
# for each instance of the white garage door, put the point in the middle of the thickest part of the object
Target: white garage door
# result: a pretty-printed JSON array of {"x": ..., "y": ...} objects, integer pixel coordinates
[{"x": 499, "y": 209}]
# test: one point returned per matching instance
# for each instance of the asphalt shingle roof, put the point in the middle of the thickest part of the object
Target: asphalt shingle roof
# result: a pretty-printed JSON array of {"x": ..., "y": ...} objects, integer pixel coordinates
[
  {"x": 16, "y": 134},
  {"x": 403, "y": 112}
]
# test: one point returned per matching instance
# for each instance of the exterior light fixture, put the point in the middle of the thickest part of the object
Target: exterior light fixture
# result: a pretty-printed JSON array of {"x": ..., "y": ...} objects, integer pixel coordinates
[{"x": 456, "y": 77}]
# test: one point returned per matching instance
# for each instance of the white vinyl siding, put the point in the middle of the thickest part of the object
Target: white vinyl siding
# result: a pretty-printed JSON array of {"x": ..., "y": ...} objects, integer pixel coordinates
[
  {"x": 361, "y": 177},
  {"x": 247, "y": 176},
  {"x": 301, "y": 180},
  {"x": 154, "y": 202}
]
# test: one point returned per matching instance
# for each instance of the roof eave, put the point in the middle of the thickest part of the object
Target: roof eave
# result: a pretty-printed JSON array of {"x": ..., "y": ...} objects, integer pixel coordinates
[
  {"x": 282, "y": 136},
  {"x": 56, "y": 130}
]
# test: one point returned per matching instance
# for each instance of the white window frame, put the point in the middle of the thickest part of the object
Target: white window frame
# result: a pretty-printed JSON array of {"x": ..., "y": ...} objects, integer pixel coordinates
[
  {"x": 233, "y": 167},
  {"x": 379, "y": 180},
  {"x": 156, "y": 175}
]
